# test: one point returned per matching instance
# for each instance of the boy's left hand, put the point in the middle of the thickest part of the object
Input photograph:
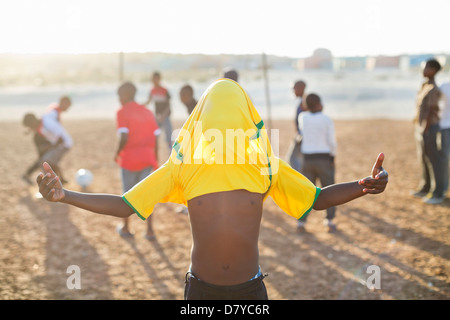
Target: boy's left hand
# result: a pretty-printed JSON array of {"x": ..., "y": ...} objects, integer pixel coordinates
[{"x": 377, "y": 182}]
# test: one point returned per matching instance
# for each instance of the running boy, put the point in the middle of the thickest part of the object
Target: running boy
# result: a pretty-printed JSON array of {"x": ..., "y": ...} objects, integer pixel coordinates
[
  {"x": 50, "y": 137},
  {"x": 224, "y": 188},
  {"x": 51, "y": 121},
  {"x": 42, "y": 144}
]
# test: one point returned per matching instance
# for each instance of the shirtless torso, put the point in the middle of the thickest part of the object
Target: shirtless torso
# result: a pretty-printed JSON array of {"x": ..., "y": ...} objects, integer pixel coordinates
[{"x": 225, "y": 230}]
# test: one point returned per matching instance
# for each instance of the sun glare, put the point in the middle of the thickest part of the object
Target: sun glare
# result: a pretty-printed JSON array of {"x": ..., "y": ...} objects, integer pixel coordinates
[{"x": 291, "y": 28}]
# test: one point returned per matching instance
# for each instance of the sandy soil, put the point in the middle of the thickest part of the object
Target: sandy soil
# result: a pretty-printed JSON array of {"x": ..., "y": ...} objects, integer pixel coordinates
[{"x": 408, "y": 240}]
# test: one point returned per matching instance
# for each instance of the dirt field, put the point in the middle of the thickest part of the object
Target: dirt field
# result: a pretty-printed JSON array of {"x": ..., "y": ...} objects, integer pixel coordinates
[{"x": 408, "y": 240}]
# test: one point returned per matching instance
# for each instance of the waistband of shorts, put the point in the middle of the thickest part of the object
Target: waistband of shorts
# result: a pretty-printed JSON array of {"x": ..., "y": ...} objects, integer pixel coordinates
[
  {"x": 317, "y": 156},
  {"x": 258, "y": 276}
]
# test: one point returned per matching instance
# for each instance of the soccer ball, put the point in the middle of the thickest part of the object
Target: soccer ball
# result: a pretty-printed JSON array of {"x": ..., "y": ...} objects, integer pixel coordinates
[{"x": 84, "y": 177}]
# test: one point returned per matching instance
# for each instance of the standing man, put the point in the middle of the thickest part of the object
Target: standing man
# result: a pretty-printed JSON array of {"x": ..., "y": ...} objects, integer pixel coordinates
[
  {"x": 137, "y": 153},
  {"x": 294, "y": 153},
  {"x": 426, "y": 131},
  {"x": 445, "y": 132}
]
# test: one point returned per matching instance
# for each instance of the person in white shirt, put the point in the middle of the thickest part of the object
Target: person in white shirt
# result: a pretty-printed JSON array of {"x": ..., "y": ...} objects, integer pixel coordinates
[
  {"x": 42, "y": 144},
  {"x": 445, "y": 131},
  {"x": 319, "y": 149},
  {"x": 50, "y": 129},
  {"x": 56, "y": 133},
  {"x": 52, "y": 124}
]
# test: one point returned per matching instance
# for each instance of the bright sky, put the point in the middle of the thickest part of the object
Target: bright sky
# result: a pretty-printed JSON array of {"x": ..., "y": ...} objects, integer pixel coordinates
[{"x": 284, "y": 27}]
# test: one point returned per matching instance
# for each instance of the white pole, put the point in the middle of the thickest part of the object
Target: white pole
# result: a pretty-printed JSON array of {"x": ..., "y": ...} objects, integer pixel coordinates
[{"x": 120, "y": 67}]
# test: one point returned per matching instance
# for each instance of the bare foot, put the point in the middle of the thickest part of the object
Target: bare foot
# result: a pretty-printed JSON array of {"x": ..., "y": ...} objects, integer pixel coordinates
[{"x": 124, "y": 232}]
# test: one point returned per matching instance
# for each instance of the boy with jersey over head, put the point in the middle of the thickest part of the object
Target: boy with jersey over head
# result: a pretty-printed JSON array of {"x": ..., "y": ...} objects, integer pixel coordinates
[{"x": 223, "y": 168}]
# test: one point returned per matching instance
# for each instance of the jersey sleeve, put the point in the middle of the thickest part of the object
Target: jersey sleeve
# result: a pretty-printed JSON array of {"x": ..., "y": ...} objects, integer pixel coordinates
[
  {"x": 160, "y": 186},
  {"x": 292, "y": 191}
]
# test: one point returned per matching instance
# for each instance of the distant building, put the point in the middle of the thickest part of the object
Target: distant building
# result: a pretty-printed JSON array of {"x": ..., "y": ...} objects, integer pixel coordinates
[{"x": 321, "y": 59}]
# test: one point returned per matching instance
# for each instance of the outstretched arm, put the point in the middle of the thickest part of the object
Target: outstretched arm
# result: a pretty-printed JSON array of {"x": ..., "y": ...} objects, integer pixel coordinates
[
  {"x": 52, "y": 190},
  {"x": 341, "y": 193},
  {"x": 148, "y": 100}
]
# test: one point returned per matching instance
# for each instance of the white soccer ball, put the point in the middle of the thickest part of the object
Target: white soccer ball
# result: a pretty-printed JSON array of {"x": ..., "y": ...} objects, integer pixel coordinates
[{"x": 84, "y": 177}]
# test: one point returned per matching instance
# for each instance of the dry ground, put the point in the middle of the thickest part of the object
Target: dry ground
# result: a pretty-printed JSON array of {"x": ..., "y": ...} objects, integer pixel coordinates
[{"x": 407, "y": 239}]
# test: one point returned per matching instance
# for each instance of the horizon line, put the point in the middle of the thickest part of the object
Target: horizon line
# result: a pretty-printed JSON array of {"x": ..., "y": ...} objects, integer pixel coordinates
[{"x": 431, "y": 52}]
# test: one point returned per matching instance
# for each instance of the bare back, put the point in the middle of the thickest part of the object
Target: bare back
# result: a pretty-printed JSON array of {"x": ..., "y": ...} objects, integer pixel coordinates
[{"x": 225, "y": 230}]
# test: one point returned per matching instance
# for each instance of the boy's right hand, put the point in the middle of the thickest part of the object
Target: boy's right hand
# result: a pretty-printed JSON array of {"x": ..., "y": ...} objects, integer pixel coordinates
[{"x": 50, "y": 185}]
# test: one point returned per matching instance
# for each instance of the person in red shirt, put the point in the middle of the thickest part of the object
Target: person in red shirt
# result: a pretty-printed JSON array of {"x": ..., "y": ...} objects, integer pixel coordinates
[
  {"x": 137, "y": 153},
  {"x": 161, "y": 97}
]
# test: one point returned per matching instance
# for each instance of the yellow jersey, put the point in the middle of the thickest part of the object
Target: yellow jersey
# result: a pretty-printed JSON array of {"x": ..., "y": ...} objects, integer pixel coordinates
[{"x": 223, "y": 146}]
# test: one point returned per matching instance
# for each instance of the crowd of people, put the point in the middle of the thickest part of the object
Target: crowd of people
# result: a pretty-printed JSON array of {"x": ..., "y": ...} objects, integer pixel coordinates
[
  {"x": 225, "y": 206},
  {"x": 312, "y": 151}
]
